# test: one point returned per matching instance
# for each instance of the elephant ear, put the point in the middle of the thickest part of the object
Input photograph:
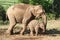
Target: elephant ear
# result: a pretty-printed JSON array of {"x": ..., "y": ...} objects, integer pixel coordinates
[
  {"x": 32, "y": 10},
  {"x": 38, "y": 10}
]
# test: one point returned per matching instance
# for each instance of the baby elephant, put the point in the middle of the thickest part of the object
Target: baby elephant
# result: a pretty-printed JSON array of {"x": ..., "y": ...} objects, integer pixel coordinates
[{"x": 34, "y": 25}]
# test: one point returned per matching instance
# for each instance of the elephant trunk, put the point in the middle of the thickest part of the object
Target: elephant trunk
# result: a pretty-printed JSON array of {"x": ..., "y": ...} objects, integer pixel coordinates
[{"x": 44, "y": 20}]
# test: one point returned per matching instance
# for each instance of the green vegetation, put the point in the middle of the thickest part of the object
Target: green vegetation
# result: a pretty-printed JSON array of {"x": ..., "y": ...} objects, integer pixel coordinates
[{"x": 52, "y": 7}]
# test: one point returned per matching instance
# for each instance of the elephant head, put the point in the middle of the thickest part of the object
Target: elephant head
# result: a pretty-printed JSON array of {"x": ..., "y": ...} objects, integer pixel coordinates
[{"x": 38, "y": 12}]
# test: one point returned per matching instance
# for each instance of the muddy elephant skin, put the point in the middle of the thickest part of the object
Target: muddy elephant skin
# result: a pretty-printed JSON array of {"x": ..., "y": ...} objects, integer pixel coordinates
[{"x": 24, "y": 13}]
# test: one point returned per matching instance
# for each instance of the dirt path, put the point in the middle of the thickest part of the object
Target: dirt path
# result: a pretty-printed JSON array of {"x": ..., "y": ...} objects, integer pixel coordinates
[
  {"x": 4, "y": 36},
  {"x": 18, "y": 37}
]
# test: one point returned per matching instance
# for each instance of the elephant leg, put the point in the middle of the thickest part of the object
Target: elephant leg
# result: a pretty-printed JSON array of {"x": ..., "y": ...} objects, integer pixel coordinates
[
  {"x": 24, "y": 28},
  {"x": 43, "y": 28},
  {"x": 10, "y": 29},
  {"x": 36, "y": 30},
  {"x": 12, "y": 24},
  {"x": 25, "y": 23},
  {"x": 31, "y": 31}
]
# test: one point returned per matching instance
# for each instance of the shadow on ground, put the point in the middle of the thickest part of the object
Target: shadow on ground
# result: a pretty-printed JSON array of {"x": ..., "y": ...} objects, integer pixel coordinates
[{"x": 51, "y": 32}]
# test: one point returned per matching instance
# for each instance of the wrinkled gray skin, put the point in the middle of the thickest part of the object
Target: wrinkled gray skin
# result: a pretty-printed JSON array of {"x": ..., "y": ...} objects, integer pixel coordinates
[
  {"x": 24, "y": 13},
  {"x": 35, "y": 25}
]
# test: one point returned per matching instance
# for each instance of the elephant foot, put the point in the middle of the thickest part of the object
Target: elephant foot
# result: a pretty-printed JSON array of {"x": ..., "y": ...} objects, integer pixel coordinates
[
  {"x": 9, "y": 33},
  {"x": 21, "y": 34},
  {"x": 36, "y": 35},
  {"x": 31, "y": 34},
  {"x": 43, "y": 31}
]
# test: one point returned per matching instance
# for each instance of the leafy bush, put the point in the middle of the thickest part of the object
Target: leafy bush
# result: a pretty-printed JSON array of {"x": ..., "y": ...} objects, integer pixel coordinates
[
  {"x": 50, "y": 16},
  {"x": 52, "y": 7},
  {"x": 2, "y": 13}
]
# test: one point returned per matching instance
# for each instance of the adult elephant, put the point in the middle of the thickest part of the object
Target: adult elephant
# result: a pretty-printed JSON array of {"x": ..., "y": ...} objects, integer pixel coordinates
[{"x": 24, "y": 13}]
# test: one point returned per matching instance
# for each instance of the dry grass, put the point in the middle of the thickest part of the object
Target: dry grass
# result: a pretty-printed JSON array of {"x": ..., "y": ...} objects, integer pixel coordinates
[{"x": 53, "y": 33}]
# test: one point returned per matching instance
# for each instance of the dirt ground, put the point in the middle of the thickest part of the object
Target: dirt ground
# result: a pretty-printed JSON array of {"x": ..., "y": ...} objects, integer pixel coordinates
[
  {"x": 52, "y": 33},
  {"x": 4, "y": 36}
]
